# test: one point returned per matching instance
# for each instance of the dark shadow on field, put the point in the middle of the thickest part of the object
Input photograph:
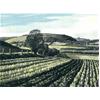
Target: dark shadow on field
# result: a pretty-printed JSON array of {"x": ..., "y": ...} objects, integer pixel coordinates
[
  {"x": 17, "y": 55},
  {"x": 46, "y": 78}
]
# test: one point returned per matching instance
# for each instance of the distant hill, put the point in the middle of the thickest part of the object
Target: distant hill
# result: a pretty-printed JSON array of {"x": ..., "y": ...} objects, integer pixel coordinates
[
  {"x": 16, "y": 39},
  {"x": 58, "y": 38},
  {"x": 47, "y": 37},
  {"x": 82, "y": 39},
  {"x": 88, "y": 40},
  {"x": 5, "y": 38},
  {"x": 94, "y": 42}
]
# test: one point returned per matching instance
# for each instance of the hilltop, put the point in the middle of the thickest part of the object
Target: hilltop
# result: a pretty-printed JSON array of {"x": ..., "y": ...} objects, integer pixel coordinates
[{"x": 47, "y": 37}]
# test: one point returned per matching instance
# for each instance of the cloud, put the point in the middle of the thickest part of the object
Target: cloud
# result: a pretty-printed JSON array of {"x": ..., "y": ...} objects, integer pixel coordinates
[
  {"x": 77, "y": 25},
  {"x": 22, "y": 19}
]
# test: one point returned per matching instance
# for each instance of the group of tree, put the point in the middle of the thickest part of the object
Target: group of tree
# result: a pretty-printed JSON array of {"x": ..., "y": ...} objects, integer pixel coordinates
[{"x": 37, "y": 44}]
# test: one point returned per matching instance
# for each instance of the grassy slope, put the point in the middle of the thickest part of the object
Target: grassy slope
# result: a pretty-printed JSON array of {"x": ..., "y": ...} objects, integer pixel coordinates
[
  {"x": 83, "y": 56},
  {"x": 7, "y": 45},
  {"x": 16, "y": 39},
  {"x": 64, "y": 46},
  {"x": 47, "y": 36}
]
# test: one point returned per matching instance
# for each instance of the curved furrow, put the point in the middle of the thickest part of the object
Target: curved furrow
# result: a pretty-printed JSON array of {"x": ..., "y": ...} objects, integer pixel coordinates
[
  {"x": 56, "y": 75},
  {"x": 23, "y": 64},
  {"x": 67, "y": 79},
  {"x": 25, "y": 73},
  {"x": 42, "y": 76}
]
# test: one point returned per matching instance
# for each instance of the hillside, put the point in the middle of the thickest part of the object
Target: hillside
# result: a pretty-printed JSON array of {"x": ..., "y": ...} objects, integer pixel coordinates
[
  {"x": 83, "y": 39},
  {"x": 47, "y": 37},
  {"x": 5, "y": 38},
  {"x": 16, "y": 39},
  {"x": 58, "y": 38},
  {"x": 94, "y": 42},
  {"x": 6, "y": 47}
]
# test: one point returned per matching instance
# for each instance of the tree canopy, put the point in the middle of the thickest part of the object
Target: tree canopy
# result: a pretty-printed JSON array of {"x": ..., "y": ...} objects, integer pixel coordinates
[
  {"x": 37, "y": 44},
  {"x": 34, "y": 40}
]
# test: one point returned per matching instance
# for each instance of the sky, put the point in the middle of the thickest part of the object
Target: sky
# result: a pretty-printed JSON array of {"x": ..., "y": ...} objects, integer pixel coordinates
[
  {"x": 77, "y": 18},
  {"x": 76, "y": 25}
]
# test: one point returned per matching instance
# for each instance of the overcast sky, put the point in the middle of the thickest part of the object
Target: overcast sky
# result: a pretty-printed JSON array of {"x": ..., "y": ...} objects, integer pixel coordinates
[
  {"x": 77, "y": 18},
  {"x": 76, "y": 25}
]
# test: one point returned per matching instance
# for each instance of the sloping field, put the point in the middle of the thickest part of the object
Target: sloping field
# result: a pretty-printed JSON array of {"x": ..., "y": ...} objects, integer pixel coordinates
[
  {"x": 83, "y": 56},
  {"x": 49, "y": 72}
]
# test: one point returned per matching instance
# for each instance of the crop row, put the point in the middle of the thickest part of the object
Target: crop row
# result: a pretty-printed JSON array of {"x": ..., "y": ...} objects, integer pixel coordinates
[
  {"x": 20, "y": 60},
  {"x": 49, "y": 77},
  {"x": 25, "y": 72},
  {"x": 88, "y": 75},
  {"x": 51, "y": 72},
  {"x": 68, "y": 77},
  {"x": 23, "y": 64}
]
